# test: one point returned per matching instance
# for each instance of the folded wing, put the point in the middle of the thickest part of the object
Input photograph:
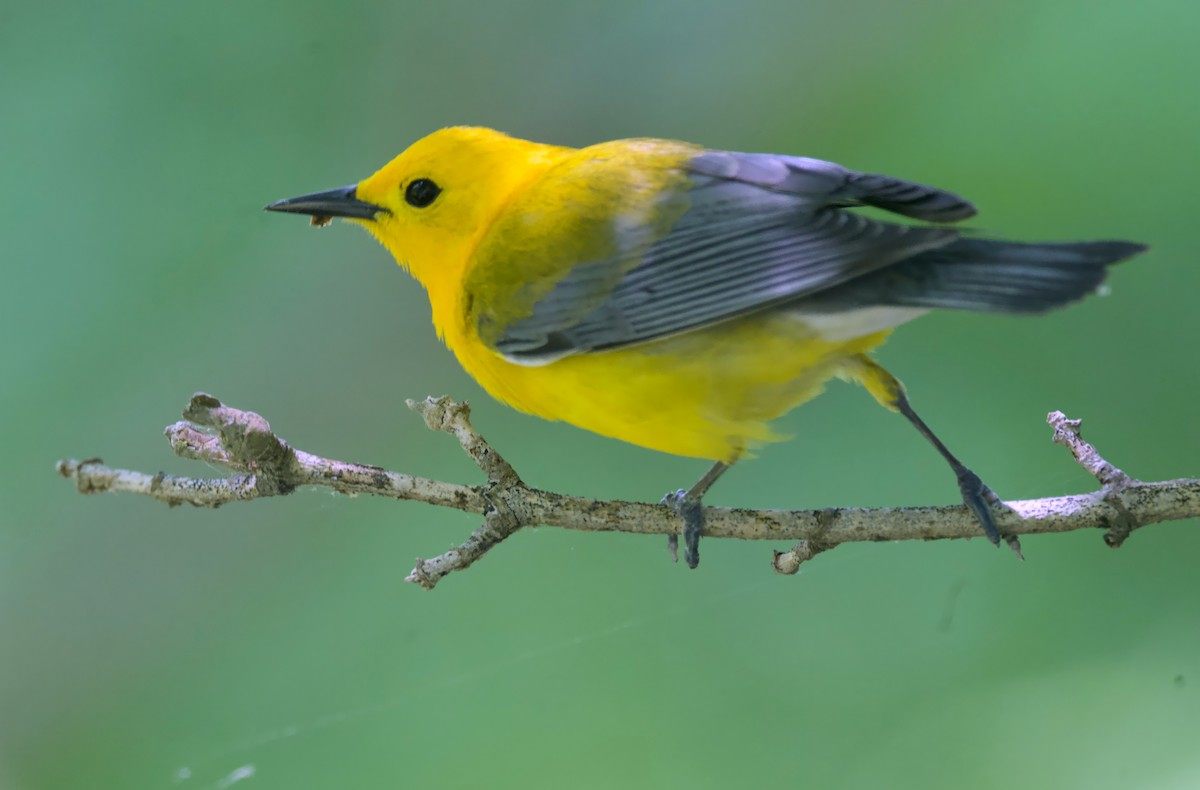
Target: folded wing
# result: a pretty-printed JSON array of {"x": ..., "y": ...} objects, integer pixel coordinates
[{"x": 760, "y": 231}]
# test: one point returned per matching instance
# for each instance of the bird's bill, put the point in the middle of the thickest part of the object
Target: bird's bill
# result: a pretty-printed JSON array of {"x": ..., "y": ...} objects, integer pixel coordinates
[{"x": 340, "y": 202}]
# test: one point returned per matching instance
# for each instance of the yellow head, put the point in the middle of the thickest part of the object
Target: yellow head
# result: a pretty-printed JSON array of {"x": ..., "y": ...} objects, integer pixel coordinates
[{"x": 431, "y": 203}]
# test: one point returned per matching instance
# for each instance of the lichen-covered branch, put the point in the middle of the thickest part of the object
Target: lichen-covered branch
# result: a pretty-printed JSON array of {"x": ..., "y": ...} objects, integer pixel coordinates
[{"x": 262, "y": 464}]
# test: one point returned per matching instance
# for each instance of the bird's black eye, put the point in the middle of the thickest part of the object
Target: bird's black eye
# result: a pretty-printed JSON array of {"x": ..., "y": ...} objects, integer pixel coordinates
[{"x": 421, "y": 193}]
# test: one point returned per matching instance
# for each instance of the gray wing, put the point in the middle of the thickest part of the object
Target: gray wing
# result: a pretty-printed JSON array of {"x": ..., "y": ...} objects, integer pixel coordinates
[
  {"x": 831, "y": 184},
  {"x": 760, "y": 231}
]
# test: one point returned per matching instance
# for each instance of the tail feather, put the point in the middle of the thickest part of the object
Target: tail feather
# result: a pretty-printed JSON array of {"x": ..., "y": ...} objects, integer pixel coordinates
[{"x": 986, "y": 276}]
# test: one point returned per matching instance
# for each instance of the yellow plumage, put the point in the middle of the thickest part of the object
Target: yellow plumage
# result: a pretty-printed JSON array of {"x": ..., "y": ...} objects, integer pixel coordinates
[{"x": 531, "y": 213}]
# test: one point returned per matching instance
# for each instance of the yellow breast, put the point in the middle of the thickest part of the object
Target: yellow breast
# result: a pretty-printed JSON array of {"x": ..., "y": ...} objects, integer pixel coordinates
[{"x": 705, "y": 394}]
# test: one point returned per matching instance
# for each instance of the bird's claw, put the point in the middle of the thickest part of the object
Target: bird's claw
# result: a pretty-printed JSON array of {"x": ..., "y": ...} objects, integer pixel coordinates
[{"x": 673, "y": 498}]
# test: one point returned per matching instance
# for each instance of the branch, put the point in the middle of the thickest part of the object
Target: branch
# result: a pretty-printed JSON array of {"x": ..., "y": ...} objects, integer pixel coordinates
[{"x": 262, "y": 464}]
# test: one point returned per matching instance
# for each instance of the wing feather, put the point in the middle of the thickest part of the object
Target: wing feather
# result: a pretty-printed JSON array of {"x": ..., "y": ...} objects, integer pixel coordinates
[{"x": 759, "y": 231}]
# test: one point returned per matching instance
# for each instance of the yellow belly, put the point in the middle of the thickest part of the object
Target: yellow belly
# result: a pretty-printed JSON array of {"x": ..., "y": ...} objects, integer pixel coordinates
[{"x": 705, "y": 394}]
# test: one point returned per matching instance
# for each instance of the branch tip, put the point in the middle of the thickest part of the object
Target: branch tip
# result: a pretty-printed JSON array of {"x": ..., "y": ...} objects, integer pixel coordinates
[
  {"x": 421, "y": 576},
  {"x": 440, "y": 413},
  {"x": 1069, "y": 434}
]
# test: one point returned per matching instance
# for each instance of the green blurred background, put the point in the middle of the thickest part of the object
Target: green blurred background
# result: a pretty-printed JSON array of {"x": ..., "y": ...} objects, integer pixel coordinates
[{"x": 274, "y": 643}]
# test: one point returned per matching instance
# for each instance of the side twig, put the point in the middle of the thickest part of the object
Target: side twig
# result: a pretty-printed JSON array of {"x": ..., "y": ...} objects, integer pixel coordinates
[
  {"x": 1113, "y": 480},
  {"x": 262, "y": 464}
]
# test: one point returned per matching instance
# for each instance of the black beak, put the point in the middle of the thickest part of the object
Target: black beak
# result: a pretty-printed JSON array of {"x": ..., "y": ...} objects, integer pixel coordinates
[{"x": 341, "y": 202}]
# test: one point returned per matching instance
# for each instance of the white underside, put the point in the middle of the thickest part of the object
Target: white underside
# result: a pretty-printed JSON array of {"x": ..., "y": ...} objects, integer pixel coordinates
[{"x": 849, "y": 324}]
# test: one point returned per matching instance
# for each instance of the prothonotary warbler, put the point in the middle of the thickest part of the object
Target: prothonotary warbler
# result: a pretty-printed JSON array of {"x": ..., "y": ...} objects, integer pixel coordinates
[{"x": 681, "y": 298}]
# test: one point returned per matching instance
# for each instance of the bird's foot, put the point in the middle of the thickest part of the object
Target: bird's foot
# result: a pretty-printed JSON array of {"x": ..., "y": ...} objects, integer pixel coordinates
[
  {"x": 979, "y": 500},
  {"x": 692, "y": 513}
]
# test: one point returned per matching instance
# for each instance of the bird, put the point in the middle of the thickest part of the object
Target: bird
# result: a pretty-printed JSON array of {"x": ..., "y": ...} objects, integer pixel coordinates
[{"x": 681, "y": 298}]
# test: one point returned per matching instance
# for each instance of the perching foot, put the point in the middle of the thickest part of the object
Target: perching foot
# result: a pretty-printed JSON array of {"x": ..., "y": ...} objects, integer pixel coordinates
[
  {"x": 692, "y": 513},
  {"x": 979, "y": 498}
]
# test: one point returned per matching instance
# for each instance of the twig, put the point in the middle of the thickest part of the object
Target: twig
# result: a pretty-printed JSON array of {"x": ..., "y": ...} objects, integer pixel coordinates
[
  {"x": 501, "y": 517},
  {"x": 265, "y": 465},
  {"x": 1114, "y": 481}
]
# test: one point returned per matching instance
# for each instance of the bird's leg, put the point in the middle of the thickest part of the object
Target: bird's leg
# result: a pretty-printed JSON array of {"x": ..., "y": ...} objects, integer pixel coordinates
[
  {"x": 687, "y": 504},
  {"x": 890, "y": 393},
  {"x": 976, "y": 496}
]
